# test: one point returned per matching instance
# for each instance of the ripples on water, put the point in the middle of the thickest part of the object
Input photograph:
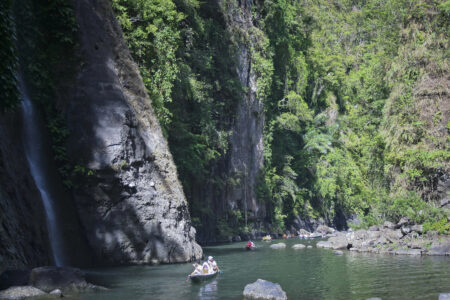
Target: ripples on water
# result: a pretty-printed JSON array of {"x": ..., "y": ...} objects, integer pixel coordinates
[{"x": 303, "y": 274}]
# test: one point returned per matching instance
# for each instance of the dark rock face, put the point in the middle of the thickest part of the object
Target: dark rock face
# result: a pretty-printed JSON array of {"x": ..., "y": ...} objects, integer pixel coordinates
[
  {"x": 264, "y": 290},
  {"x": 246, "y": 158},
  {"x": 20, "y": 292},
  {"x": 132, "y": 208},
  {"x": 23, "y": 234},
  {"x": 14, "y": 278}
]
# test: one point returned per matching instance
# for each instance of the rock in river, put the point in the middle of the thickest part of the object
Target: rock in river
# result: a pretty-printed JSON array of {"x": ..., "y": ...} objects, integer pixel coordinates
[
  {"x": 298, "y": 246},
  {"x": 278, "y": 246},
  {"x": 64, "y": 278},
  {"x": 20, "y": 292},
  {"x": 264, "y": 290}
]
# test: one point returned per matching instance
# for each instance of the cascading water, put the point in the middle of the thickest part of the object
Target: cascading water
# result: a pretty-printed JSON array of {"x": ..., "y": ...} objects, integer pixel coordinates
[{"x": 35, "y": 153}]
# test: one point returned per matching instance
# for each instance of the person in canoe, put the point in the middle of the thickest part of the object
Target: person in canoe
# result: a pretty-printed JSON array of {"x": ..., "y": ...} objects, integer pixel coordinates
[
  {"x": 205, "y": 268},
  {"x": 197, "y": 269},
  {"x": 250, "y": 245},
  {"x": 212, "y": 265}
]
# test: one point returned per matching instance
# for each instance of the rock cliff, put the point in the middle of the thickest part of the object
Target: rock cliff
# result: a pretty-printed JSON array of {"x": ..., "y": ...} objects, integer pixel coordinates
[
  {"x": 246, "y": 144},
  {"x": 23, "y": 234},
  {"x": 132, "y": 206}
]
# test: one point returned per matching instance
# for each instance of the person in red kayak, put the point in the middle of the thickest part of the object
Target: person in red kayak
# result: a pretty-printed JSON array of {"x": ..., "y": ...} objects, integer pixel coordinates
[{"x": 250, "y": 244}]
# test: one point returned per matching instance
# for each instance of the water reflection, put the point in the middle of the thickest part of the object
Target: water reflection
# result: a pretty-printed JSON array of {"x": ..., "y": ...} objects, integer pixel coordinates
[{"x": 209, "y": 291}]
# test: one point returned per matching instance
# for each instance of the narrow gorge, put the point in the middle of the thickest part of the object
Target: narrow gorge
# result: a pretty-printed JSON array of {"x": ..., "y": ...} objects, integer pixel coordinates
[{"x": 134, "y": 131}]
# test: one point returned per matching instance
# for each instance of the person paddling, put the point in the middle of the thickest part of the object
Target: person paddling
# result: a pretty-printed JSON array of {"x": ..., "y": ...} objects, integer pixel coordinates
[
  {"x": 250, "y": 244},
  {"x": 212, "y": 265}
]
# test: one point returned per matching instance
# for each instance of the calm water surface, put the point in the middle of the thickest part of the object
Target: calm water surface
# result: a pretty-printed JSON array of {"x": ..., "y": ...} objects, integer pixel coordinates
[{"x": 303, "y": 274}]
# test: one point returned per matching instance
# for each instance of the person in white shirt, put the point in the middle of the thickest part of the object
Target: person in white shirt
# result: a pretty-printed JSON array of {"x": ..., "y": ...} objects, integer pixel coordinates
[
  {"x": 197, "y": 269},
  {"x": 212, "y": 265}
]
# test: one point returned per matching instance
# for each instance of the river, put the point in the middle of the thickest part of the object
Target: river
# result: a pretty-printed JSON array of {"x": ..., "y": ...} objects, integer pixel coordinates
[{"x": 303, "y": 274}]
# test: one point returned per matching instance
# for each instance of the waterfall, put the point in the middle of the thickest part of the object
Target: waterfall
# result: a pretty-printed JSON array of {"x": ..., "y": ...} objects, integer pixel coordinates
[{"x": 33, "y": 141}]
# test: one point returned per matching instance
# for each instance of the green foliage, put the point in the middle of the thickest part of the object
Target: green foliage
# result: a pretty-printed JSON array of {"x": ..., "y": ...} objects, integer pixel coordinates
[
  {"x": 442, "y": 226},
  {"x": 152, "y": 34},
  {"x": 46, "y": 32},
  {"x": 342, "y": 84}
]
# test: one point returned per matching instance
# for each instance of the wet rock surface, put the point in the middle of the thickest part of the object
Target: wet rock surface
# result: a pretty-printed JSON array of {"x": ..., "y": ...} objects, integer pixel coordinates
[
  {"x": 66, "y": 279},
  {"x": 264, "y": 290},
  {"x": 20, "y": 292}
]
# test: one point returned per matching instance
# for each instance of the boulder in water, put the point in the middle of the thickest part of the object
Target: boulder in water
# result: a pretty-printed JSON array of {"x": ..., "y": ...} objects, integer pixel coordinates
[
  {"x": 264, "y": 290},
  {"x": 57, "y": 293},
  {"x": 323, "y": 244},
  {"x": 20, "y": 292},
  {"x": 65, "y": 279},
  {"x": 278, "y": 246},
  {"x": 323, "y": 229},
  {"x": 444, "y": 296},
  {"x": 338, "y": 252},
  {"x": 298, "y": 246},
  {"x": 338, "y": 242},
  {"x": 440, "y": 248}
]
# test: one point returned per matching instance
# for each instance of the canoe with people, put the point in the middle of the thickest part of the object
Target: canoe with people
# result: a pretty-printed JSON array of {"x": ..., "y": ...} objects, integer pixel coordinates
[
  {"x": 267, "y": 238},
  {"x": 250, "y": 246},
  {"x": 205, "y": 271}
]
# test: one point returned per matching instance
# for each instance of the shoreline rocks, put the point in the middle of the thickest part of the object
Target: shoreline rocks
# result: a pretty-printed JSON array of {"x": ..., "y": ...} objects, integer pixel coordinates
[
  {"x": 264, "y": 290},
  {"x": 50, "y": 280},
  {"x": 20, "y": 292},
  {"x": 403, "y": 238}
]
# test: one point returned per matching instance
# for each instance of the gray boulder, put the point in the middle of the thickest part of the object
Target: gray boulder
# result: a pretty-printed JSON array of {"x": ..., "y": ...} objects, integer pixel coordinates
[
  {"x": 403, "y": 221},
  {"x": 64, "y": 278},
  {"x": 440, "y": 248},
  {"x": 324, "y": 244},
  {"x": 338, "y": 252},
  {"x": 298, "y": 246},
  {"x": 374, "y": 228},
  {"x": 264, "y": 290},
  {"x": 417, "y": 228},
  {"x": 309, "y": 247},
  {"x": 406, "y": 229},
  {"x": 444, "y": 296},
  {"x": 57, "y": 293},
  {"x": 408, "y": 252},
  {"x": 338, "y": 242},
  {"x": 323, "y": 229},
  {"x": 20, "y": 292},
  {"x": 278, "y": 246},
  {"x": 389, "y": 225},
  {"x": 304, "y": 232}
]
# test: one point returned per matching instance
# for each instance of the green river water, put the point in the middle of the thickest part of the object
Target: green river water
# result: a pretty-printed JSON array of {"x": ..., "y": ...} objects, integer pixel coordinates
[{"x": 303, "y": 274}]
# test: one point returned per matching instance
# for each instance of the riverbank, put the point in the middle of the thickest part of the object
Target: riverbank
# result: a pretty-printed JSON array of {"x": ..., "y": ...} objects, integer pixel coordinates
[{"x": 403, "y": 238}]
